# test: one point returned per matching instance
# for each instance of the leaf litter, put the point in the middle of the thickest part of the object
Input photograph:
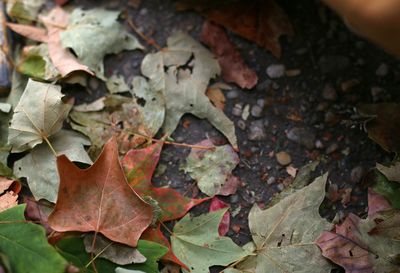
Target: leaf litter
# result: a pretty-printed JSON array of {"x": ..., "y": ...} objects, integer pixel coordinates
[{"x": 108, "y": 216}]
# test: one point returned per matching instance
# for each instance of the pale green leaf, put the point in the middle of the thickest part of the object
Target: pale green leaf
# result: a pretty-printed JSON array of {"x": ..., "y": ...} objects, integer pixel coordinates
[
  {"x": 25, "y": 245},
  {"x": 92, "y": 34},
  {"x": 24, "y": 11},
  {"x": 212, "y": 169},
  {"x": 123, "y": 270},
  {"x": 40, "y": 168},
  {"x": 182, "y": 73},
  {"x": 116, "y": 84},
  {"x": 39, "y": 114},
  {"x": 196, "y": 242},
  {"x": 285, "y": 233}
]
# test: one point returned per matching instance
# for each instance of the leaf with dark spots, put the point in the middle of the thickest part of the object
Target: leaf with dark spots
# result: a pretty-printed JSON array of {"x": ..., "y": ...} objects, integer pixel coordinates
[
  {"x": 233, "y": 67},
  {"x": 99, "y": 199}
]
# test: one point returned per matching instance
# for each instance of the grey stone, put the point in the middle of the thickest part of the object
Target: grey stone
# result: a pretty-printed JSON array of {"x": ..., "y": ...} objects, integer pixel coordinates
[
  {"x": 271, "y": 180},
  {"x": 234, "y": 198},
  {"x": 261, "y": 102},
  {"x": 264, "y": 86},
  {"x": 256, "y": 111},
  {"x": 237, "y": 110},
  {"x": 241, "y": 124},
  {"x": 332, "y": 148},
  {"x": 275, "y": 71},
  {"x": 93, "y": 83},
  {"x": 302, "y": 136},
  {"x": 382, "y": 70},
  {"x": 329, "y": 93},
  {"x": 280, "y": 187},
  {"x": 356, "y": 174},
  {"x": 256, "y": 130},
  {"x": 319, "y": 144},
  {"x": 233, "y": 94},
  {"x": 333, "y": 63}
]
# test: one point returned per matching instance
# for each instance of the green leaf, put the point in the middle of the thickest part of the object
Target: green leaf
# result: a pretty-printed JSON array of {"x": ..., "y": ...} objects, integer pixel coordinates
[
  {"x": 388, "y": 189},
  {"x": 39, "y": 114},
  {"x": 73, "y": 250},
  {"x": 284, "y": 234},
  {"x": 24, "y": 11},
  {"x": 211, "y": 169},
  {"x": 101, "y": 25},
  {"x": 44, "y": 183},
  {"x": 182, "y": 73},
  {"x": 392, "y": 172},
  {"x": 4, "y": 148},
  {"x": 26, "y": 246},
  {"x": 196, "y": 242}
]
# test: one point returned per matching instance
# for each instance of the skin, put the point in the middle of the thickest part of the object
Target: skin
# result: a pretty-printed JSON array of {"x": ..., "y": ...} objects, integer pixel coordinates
[{"x": 376, "y": 20}]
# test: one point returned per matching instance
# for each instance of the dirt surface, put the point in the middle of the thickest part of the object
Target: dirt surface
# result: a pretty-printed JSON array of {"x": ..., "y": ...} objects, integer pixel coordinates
[{"x": 309, "y": 116}]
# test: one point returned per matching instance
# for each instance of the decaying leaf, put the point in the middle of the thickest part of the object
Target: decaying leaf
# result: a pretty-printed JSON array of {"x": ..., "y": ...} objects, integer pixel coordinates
[
  {"x": 38, "y": 211},
  {"x": 233, "y": 67},
  {"x": 387, "y": 185},
  {"x": 24, "y": 10},
  {"x": 392, "y": 172},
  {"x": 44, "y": 184},
  {"x": 215, "y": 205},
  {"x": 99, "y": 199},
  {"x": 9, "y": 190},
  {"x": 39, "y": 114},
  {"x": 384, "y": 124},
  {"x": 107, "y": 249},
  {"x": 196, "y": 242},
  {"x": 25, "y": 246},
  {"x": 182, "y": 73},
  {"x": 4, "y": 146},
  {"x": 127, "y": 118},
  {"x": 111, "y": 37},
  {"x": 216, "y": 97},
  {"x": 116, "y": 84},
  {"x": 263, "y": 22},
  {"x": 213, "y": 169},
  {"x": 73, "y": 250},
  {"x": 364, "y": 245},
  {"x": 284, "y": 234}
]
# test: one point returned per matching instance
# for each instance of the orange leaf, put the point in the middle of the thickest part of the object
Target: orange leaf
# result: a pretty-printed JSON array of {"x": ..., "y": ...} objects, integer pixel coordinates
[
  {"x": 9, "y": 190},
  {"x": 99, "y": 199}
]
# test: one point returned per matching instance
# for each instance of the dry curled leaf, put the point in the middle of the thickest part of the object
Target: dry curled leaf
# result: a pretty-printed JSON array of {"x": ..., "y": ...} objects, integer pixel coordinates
[
  {"x": 99, "y": 199},
  {"x": 9, "y": 190}
]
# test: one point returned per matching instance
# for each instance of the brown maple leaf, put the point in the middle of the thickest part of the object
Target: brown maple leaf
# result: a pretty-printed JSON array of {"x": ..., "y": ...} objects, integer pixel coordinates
[
  {"x": 261, "y": 21},
  {"x": 99, "y": 199}
]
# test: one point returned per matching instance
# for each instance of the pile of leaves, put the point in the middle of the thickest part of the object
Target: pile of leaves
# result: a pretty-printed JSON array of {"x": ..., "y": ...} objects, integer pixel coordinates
[{"x": 82, "y": 199}]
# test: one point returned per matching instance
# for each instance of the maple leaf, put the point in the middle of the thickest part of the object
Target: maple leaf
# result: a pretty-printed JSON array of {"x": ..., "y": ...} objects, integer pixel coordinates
[
  {"x": 215, "y": 205},
  {"x": 263, "y": 22},
  {"x": 196, "y": 242},
  {"x": 233, "y": 67},
  {"x": 110, "y": 37},
  {"x": 55, "y": 21},
  {"x": 364, "y": 245},
  {"x": 182, "y": 73},
  {"x": 213, "y": 169},
  {"x": 39, "y": 114},
  {"x": 284, "y": 234},
  {"x": 9, "y": 190},
  {"x": 44, "y": 184},
  {"x": 99, "y": 199},
  {"x": 383, "y": 125}
]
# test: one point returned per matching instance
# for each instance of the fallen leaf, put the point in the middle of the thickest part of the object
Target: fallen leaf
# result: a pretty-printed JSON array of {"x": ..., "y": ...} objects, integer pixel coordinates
[
  {"x": 387, "y": 190},
  {"x": 99, "y": 199},
  {"x": 38, "y": 211},
  {"x": 39, "y": 114},
  {"x": 215, "y": 205},
  {"x": 111, "y": 37},
  {"x": 284, "y": 234},
  {"x": 9, "y": 190},
  {"x": 45, "y": 184},
  {"x": 4, "y": 146},
  {"x": 30, "y": 32},
  {"x": 117, "y": 253},
  {"x": 363, "y": 245},
  {"x": 196, "y": 242},
  {"x": 383, "y": 127},
  {"x": 213, "y": 169},
  {"x": 116, "y": 84},
  {"x": 94, "y": 106},
  {"x": 25, "y": 245},
  {"x": 233, "y": 67},
  {"x": 376, "y": 203},
  {"x": 73, "y": 250},
  {"x": 392, "y": 172},
  {"x": 24, "y": 10},
  {"x": 216, "y": 97},
  {"x": 263, "y": 22},
  {"x": 182, "y": 73}
]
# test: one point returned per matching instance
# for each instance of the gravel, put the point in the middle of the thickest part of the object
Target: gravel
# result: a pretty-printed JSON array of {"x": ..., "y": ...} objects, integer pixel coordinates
[
  {"x": 276, "y": 71},
  {"x": 302, "y": 136}
]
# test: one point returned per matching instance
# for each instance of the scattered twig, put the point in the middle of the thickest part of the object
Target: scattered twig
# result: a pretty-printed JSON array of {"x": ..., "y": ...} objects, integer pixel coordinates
[
  {"x": 166, "y": 228},
  {"x": 147, "y": 39}
]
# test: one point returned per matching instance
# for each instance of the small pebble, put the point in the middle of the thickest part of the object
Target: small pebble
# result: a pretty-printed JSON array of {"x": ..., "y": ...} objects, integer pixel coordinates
[
  {"x": 233, "y": 94},
  {"x": 329, "y": 92},
  {"x": 292, "y": 72},
  {"x": 271, "y": 180},
  {"x": 264, "y": 86},
  {"x": 93, "y": 83},
  {"x": 356, "y": 174},
  {"x": 261, "y": 102},
  {"x": 246, "y": 112},
  {"x": 256, "y": 111},
  {"x": 276, "y": 71},
  {"x": 280, "y": 187},
  {"x": 332, "y": 148},
  {"x": 319, "y": 144},
  {"x": 234, "y": 198},
  {"x": 382, "y": 70},
  {"x": 283, "y": 158},
  {"x": 237, "y": 110},
  {"x": 256, "y": 130},
  {"x": 302, "y": 136},
  {"x": 241, "y": 124}
]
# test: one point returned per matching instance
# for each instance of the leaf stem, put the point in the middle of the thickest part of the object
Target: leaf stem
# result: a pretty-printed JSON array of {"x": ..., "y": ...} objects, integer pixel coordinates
[
  {"x": 50, "y": 146},
  {"x": 148, "y": 40},
  {"x": 166, "y": 228},
  {"x": 98, "y": 254}
]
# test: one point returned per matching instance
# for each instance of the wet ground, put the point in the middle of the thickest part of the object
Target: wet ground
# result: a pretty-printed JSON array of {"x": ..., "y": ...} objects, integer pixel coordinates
[{"x": 309, "y": 116}]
